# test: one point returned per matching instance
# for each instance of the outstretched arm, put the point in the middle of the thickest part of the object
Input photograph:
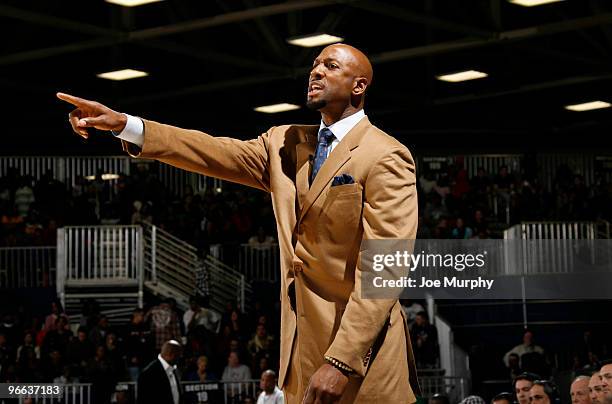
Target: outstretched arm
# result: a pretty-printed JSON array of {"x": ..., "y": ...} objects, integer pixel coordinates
[{"x": 244, "y": 162}]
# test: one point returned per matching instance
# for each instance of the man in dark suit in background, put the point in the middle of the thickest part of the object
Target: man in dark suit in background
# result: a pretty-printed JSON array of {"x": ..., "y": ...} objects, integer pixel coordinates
[{"x": 159, "y": 383}]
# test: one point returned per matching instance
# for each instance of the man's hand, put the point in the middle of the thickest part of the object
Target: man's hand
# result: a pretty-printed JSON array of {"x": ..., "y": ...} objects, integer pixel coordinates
[
  {"x": 91, "y": 114},
  {"x": 326, "y": 386}
]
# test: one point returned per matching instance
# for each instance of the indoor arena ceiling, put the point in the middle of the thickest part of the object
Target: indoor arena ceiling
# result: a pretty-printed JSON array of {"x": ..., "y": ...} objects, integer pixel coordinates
[{"x": 210, "y": 63}]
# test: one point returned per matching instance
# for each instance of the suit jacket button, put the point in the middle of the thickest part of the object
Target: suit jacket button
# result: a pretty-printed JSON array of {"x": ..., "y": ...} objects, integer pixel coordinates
[{"x": 297, "y": 267}]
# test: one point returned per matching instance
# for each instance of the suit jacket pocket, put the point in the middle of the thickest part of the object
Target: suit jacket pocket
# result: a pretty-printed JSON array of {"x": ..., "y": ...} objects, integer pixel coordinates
[
  {"x": 344, "y": 189},
  {"x": 340, "y": 215}
]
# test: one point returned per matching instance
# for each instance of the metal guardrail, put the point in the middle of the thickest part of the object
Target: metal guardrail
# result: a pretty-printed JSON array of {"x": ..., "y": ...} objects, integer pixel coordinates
[
  {"x": 77, "y": 393},
  {"x": 455, "y": 388},
  {"x": 554, "y": 242},
  {"x": 27, "y": 267},
  {"x": 226, "y": 392},
  {"x": 227, "y": 285},
  {"x": 69, "y": 169},
  {"x": 559, "y": 230},
  {"x": 171, "y": 267},
  {"x": 100, "y": 253},
  {"x": 170, "y": 264},
  {"x": 65, "y": 169},
  {"x": 99, "y": 256},
  {"x": 259, "y": 263}
]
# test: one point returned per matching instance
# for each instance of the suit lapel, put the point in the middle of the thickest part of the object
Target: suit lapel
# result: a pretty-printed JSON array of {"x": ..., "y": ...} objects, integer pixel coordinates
[
  {"x": 337, "y": 158},
  {"x": 305, "y": 151}
]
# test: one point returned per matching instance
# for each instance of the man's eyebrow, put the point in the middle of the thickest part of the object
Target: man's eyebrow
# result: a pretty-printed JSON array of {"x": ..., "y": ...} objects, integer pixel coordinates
[{"x": 326, "y": 60}]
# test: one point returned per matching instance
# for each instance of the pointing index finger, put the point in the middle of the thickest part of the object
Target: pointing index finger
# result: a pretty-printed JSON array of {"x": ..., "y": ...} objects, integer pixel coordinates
[{"x": 76, "y": 101}]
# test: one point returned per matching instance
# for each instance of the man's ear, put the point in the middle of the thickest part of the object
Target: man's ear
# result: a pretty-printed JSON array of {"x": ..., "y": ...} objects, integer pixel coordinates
[{"x": 360, "y": 85}]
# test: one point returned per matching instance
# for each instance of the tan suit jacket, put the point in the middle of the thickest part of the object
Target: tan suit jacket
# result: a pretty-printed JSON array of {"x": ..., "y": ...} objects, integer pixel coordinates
[{"x": 320, "y": 229}]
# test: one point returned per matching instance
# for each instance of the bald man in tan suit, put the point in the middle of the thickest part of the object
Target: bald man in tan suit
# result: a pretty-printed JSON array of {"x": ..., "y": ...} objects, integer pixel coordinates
[{"x": 332, "y": 186}]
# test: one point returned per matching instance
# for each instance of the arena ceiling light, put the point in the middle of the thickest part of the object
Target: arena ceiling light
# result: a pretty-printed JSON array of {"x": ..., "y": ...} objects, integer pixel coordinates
[
  {"x": 131, "y": 3},
  {"x": 312, "y": 40},
  {"x": 462, "y": 76},
  {"x": 532, "y": 3},
  {"x": 588, "y": 106},
  {"x": 275, "y": 108},
  {"x": 125, "y": 74}
]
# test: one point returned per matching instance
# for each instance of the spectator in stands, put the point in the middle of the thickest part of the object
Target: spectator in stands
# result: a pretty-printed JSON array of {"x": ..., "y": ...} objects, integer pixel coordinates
[
  {"x": 503, "y": 398},
  {"x": 473, "y": 400},
  {"x": 261, "y": 240},
  {"x": 198, "y": 316},
  {"x": 202, "y": 373},
  {"x": 503, "y": 180},
  {"x": 261, "y": 342},
  {"x": 10, "y": 329},
  {"x": 68, "y": 377},
  {"x": 424, "y": 341},
  {"x": 596, "y": 392},
  {"x": 235, "y": 324},
  {"x": 579, "y": 390},
  {"x": 57, "y": 339},
  {"x": 522, "y": 385},
  {"x": 28, "y": 367},
  {"x": 527, "y": 347},
  {"x": 97, "y": 335},
  {"x": 543, "y": 392},
  {"x": 52, "y": 364},
  {"x": 460, "y": 231},
  {"x": 6, "y": 355},
  {"x": 235, "y": 371},
  {"x": 24, "y": 197},
  {"x": 480, "y": 182},
  {"x": 514, "y": 365},
  {"x": 270, "y": 394},
  {"x": 439, "y": 399},
  {"x": 23, "y": 351},
  {"x": 261, "y": 365},
  {"x": 80, "y": 349},
  {"x": 138, "y": 343},
  {"x": 56, "y": 311},
  {"x": 605, "y": 373},
  {"x": 100, "y": 373},
  {"x": 114, "y": 355},
  {"x": 411, "y": 309},
  {"x": 164, "y": 324},
  {"x": 480, "y": 227}
]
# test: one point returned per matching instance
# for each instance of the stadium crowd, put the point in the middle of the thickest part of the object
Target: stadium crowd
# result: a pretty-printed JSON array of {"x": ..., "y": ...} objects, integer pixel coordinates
[
  {"x": 238, "y": 346},
  {"x": 451, "y": 205}
]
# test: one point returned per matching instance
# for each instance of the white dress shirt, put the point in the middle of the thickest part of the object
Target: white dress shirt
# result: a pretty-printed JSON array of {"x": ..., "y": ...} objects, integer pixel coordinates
[
  {"x": 169, "y": 369},
  {"x": 342, "y": 127},
  {"x": 134, "y": 129}
]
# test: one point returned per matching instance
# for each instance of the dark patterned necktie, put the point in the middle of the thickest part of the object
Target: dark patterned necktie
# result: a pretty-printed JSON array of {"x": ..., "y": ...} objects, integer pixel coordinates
[{"x": 325, "y": 140}]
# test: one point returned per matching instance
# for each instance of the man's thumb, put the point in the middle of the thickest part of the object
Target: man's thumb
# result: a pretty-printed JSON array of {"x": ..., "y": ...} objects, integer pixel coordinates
[{"x": 91, "y": 122}]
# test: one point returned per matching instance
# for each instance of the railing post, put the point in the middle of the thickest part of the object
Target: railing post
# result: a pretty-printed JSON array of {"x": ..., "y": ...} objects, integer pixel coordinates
[
  {"x": 140, "y": 267},
  {"x": 154, "y": 253},
  {"x": 241, "y": 289},
  {"x": 60, "y": 265}
]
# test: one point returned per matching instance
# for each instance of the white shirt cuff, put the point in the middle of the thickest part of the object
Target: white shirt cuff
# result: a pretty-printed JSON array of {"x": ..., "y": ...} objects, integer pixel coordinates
[{"x": 133, "y": 131}]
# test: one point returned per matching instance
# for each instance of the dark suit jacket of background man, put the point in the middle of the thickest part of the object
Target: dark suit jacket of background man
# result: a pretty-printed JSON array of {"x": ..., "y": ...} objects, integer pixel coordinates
[{"x": 154, "y": 386}]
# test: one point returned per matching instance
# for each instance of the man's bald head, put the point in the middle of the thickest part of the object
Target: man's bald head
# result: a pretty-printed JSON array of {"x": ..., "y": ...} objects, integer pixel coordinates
[
  {"x": 338, "y": 81},
  {"x": 359, "y": 62},
  {"x": 171, "y": 351}
]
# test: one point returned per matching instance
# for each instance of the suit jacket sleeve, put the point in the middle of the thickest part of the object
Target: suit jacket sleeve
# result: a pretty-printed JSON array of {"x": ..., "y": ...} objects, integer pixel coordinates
[
  {"x": 144, "y": 386},
  {"x": 389, "y": 212},
  {"x": 244, "y": 162}
]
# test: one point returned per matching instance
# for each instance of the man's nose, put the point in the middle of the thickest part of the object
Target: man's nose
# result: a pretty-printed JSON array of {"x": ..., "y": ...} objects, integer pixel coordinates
[{"x": 316, "y": 73}]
